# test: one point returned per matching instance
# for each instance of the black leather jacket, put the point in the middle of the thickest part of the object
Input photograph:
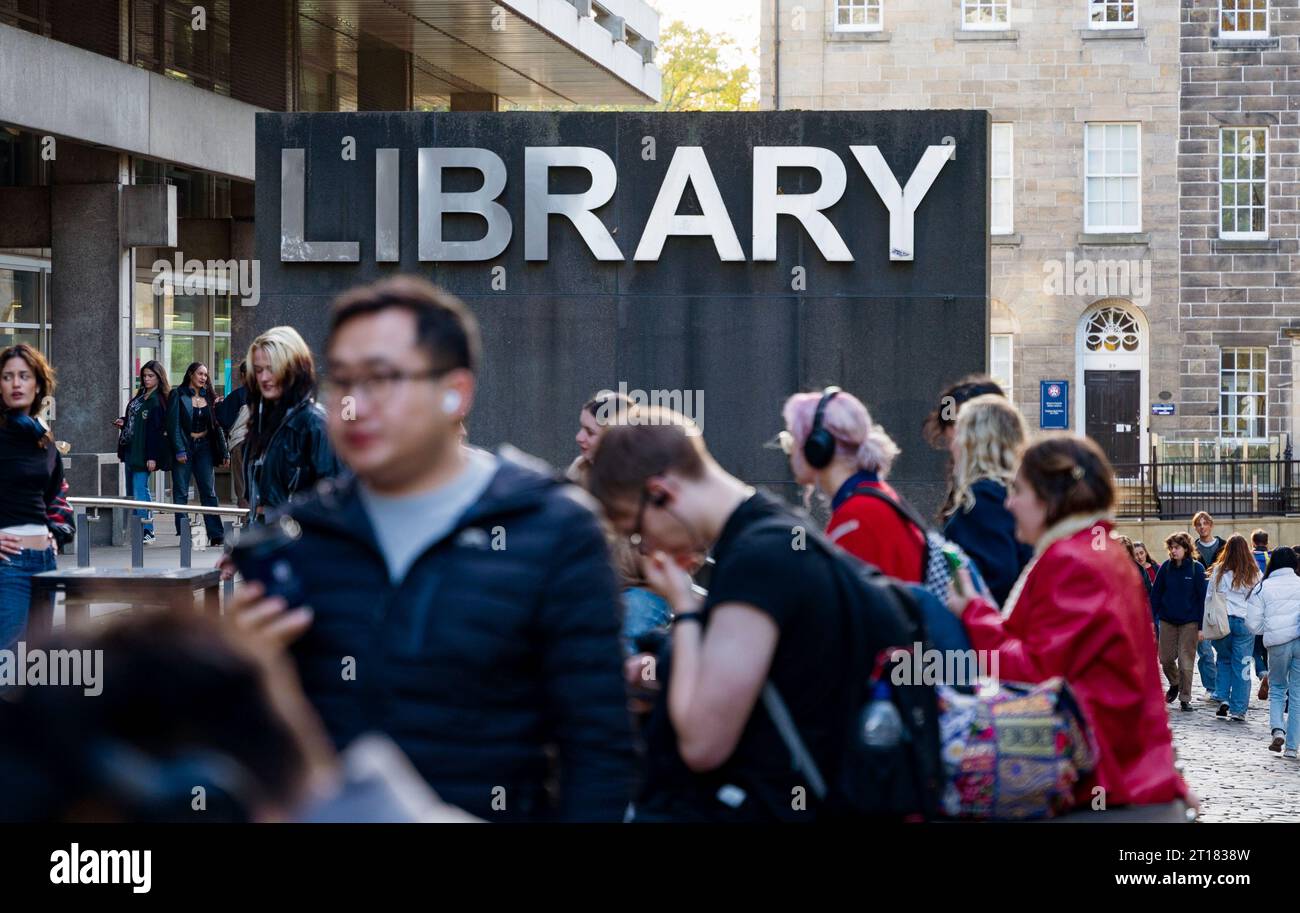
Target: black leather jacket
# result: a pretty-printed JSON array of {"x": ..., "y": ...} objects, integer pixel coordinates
[
  {"x": 180, "y": 415},
  {"x": 297, "y": 456}
]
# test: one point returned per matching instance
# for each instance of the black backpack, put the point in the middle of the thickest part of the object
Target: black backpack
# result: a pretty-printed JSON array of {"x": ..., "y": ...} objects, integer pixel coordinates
[{"x": 882, "y": 628}]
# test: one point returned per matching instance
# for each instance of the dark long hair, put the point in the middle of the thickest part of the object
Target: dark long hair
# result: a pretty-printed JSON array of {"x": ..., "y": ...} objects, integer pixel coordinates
[
  {"x": 1281, "y": 557},
  {"x": 164, "y": 388},
  {"x": 45, "y": 382},
  {"x": 207, "y": 391},
  {"x": 1151, "y": 562}
]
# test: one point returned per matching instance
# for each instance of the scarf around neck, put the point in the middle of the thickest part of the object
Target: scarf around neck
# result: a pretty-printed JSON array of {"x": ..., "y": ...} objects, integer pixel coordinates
[
  {"x": 1062, "y": 529},
  {"x": 25, "y": 424}
]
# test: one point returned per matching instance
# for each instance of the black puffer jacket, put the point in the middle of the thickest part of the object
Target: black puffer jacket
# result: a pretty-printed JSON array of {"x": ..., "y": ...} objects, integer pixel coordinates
[
  {"x": 501, "y": 640},
  {"x": 296, "y": 457}
]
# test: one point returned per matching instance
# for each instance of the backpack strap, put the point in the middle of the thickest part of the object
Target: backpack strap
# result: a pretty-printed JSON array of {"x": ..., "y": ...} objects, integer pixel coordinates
[
  {"x": 903, "y": 509},
  {"x": 804, "y": 763},
  {"x": 859, "y": 663}
]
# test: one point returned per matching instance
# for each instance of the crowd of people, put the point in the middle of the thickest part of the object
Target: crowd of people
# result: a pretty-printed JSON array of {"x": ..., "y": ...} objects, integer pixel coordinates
[
  {"x": 1258, "y": 591},
  {"x": 270, "y": 432},
  {"x": 645, "y": 637}
]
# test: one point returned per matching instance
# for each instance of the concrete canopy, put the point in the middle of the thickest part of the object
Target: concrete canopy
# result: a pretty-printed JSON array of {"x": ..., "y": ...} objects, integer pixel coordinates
[{"x": 526, "y": 51}]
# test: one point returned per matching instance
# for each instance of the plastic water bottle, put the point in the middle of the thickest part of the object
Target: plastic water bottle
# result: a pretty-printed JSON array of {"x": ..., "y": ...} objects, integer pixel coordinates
[{"x": 882, "y": 727}]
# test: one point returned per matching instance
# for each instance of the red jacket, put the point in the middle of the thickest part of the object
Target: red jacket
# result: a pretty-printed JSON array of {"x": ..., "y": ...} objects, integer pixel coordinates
[
  {"x": 873, "y": 531},
  {"x": 1078, "y": 616}
]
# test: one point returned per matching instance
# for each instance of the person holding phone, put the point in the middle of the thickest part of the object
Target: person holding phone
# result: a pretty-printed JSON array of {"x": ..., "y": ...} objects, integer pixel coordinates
[
  {"x": 1076, "y": 612},
  {"x": 473, "y": 592}
]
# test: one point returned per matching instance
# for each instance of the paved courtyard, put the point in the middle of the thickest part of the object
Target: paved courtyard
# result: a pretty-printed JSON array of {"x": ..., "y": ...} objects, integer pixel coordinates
[{"x": 1229, "y": 764}]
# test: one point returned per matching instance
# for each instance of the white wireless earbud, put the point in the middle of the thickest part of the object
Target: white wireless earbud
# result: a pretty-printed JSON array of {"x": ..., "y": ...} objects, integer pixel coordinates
[{"x": 451, "y": 402}]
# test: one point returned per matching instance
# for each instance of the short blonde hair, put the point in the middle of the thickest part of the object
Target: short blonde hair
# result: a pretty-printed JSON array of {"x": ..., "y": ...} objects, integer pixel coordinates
[{"x": 290, "y": 358}]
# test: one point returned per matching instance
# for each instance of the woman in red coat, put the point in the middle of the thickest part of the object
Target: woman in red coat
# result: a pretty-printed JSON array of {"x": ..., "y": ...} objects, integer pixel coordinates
[
  {"x": 1074, "y": 613},
  {"x": 833, "y": 444}
]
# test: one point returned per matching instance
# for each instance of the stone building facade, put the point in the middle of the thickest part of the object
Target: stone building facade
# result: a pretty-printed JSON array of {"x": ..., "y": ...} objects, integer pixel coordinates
[
  {"x": 1238, "y": 150},
  {"x": 1108, "y": 271}
]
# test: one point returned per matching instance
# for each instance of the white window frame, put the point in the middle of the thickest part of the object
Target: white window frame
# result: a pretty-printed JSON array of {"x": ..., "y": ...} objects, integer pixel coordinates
[
  {"x": 1236, "y": 8},
  {"x": 868, "y": 6},
  {"x": 1242, "y": 235},
  {"x": 43, "y": 322},
  {"x": 1232, "y": 415},
  {"x": 1088, "y": 129},
  {"x": 1095, "y": 5},
  {"x": 162, "y": 335},
  {"x": 1007, "y": 382},
  {"x": 968, "y": 5},
  {"x": 1008, "y": 130}
]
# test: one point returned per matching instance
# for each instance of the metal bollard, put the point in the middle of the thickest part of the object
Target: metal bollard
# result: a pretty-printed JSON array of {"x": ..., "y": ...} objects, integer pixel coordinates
[
  {"x": 187, "y": 543},
  {"x": 83, "y": 539},
  {"x": 135, "y": 529}
]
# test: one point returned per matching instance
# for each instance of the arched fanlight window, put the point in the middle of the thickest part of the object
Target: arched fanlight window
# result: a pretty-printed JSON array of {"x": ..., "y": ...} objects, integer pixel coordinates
[{"x": 1112, "y": 329}]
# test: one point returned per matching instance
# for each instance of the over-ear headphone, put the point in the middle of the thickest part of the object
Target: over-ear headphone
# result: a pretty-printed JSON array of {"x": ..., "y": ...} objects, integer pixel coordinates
[
  {"x": 450, "y": 402},
  {"x": 819, "y": 448}
]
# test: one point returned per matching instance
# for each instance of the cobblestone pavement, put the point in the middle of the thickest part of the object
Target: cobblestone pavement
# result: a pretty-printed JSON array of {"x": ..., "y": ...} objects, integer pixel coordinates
[{"x": 1229, "y": 764}]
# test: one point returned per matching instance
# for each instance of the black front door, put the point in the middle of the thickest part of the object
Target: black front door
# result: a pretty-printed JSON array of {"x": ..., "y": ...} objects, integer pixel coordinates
[{"x": 1113, "y": 403}]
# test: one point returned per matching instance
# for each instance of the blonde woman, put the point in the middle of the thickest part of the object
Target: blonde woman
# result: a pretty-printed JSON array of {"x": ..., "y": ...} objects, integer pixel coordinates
[
  {"x": 988, "y": 436},
  {"x": 286, "y": 449}
]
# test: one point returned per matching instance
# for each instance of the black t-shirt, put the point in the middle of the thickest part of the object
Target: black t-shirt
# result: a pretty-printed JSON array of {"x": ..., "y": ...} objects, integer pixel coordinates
[
  {"x": 763, "y": 568},
  {"x": 30, "y": 475}
]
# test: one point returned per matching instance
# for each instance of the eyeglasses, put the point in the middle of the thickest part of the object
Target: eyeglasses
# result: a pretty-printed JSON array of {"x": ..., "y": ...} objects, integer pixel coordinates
[
  {"x": 378, "y": 385},
  {"x": 784, "y": 442}
]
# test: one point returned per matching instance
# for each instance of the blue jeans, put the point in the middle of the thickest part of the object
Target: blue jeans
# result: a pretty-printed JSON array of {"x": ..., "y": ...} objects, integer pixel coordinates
[
  {"x": 1261, "y": 658},
  {"x": 199, "y": 468},
  {"x": 1284, "y": 683},
  {"x": 1205, "y": 664},
  {"x": 1233, "y": 672},
  {"x": 139, "y": 486},
  {"x": 16, "y": 590}
]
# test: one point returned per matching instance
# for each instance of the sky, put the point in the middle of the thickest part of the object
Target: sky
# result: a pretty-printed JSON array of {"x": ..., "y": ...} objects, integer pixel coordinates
[{"x": 736, "y": 18}]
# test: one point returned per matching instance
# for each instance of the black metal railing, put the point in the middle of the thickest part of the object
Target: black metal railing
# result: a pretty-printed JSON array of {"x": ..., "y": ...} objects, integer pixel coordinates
[{"x": 1228, "y": 488}]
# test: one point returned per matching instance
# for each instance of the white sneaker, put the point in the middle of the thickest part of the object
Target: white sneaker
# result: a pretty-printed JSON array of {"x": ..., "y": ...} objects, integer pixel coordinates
[{"x": 1289, "y": 754}]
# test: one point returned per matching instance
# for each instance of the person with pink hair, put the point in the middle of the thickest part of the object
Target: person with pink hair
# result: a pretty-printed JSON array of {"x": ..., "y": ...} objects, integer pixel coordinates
[{"x": 834, "y": 445}]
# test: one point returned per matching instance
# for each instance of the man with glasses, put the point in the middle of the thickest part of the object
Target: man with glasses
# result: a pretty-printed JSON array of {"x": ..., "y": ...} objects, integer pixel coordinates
[
  {"x": 460, "y": 602},
  {"x": 774, "y": 613}
]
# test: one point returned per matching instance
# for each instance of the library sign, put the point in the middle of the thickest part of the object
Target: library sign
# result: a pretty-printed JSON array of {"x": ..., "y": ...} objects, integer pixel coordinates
[{"x": 677, "y": 251}]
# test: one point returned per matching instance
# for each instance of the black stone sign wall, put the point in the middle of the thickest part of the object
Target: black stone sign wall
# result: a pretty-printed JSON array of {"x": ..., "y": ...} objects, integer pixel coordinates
[{"x": 891, "y": 332}]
